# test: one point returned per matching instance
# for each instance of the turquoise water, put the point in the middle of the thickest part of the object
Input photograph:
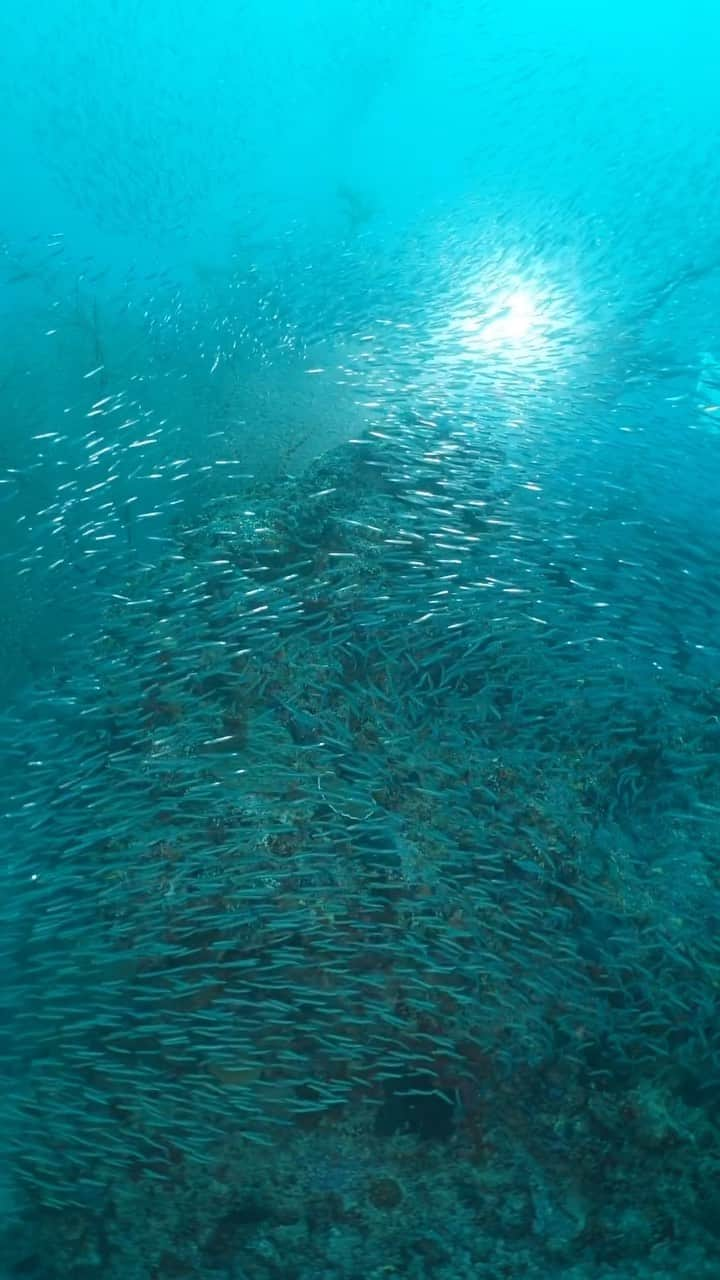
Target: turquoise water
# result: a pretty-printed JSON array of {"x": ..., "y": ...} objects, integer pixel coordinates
[{"x": 360, "y": 678}]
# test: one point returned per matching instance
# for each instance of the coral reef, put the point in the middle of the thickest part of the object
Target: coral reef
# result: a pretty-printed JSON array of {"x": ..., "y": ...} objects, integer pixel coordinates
[{"x": 381, "y": 914}]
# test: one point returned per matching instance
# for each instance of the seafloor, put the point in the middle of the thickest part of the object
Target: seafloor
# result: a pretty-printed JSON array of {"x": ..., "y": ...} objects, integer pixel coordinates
[{"x": 376, "y": 901}]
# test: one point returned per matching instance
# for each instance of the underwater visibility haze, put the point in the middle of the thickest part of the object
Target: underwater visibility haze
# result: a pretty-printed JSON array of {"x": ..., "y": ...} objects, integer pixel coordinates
[{"x": 359, "y": 650}]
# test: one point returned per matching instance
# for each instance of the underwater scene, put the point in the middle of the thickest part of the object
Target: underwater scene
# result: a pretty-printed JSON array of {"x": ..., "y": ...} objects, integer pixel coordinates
[{"x": 359, "y": 641}]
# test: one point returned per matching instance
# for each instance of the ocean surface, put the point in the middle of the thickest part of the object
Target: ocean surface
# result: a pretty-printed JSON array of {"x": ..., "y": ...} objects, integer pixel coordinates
[{"x": 359, "y": 641}]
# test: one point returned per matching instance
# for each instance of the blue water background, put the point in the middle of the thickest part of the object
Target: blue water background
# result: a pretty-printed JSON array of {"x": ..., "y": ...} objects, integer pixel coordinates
[
  {"x": 205, "y": 201},
  {"x": 292, "y": 172}
]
